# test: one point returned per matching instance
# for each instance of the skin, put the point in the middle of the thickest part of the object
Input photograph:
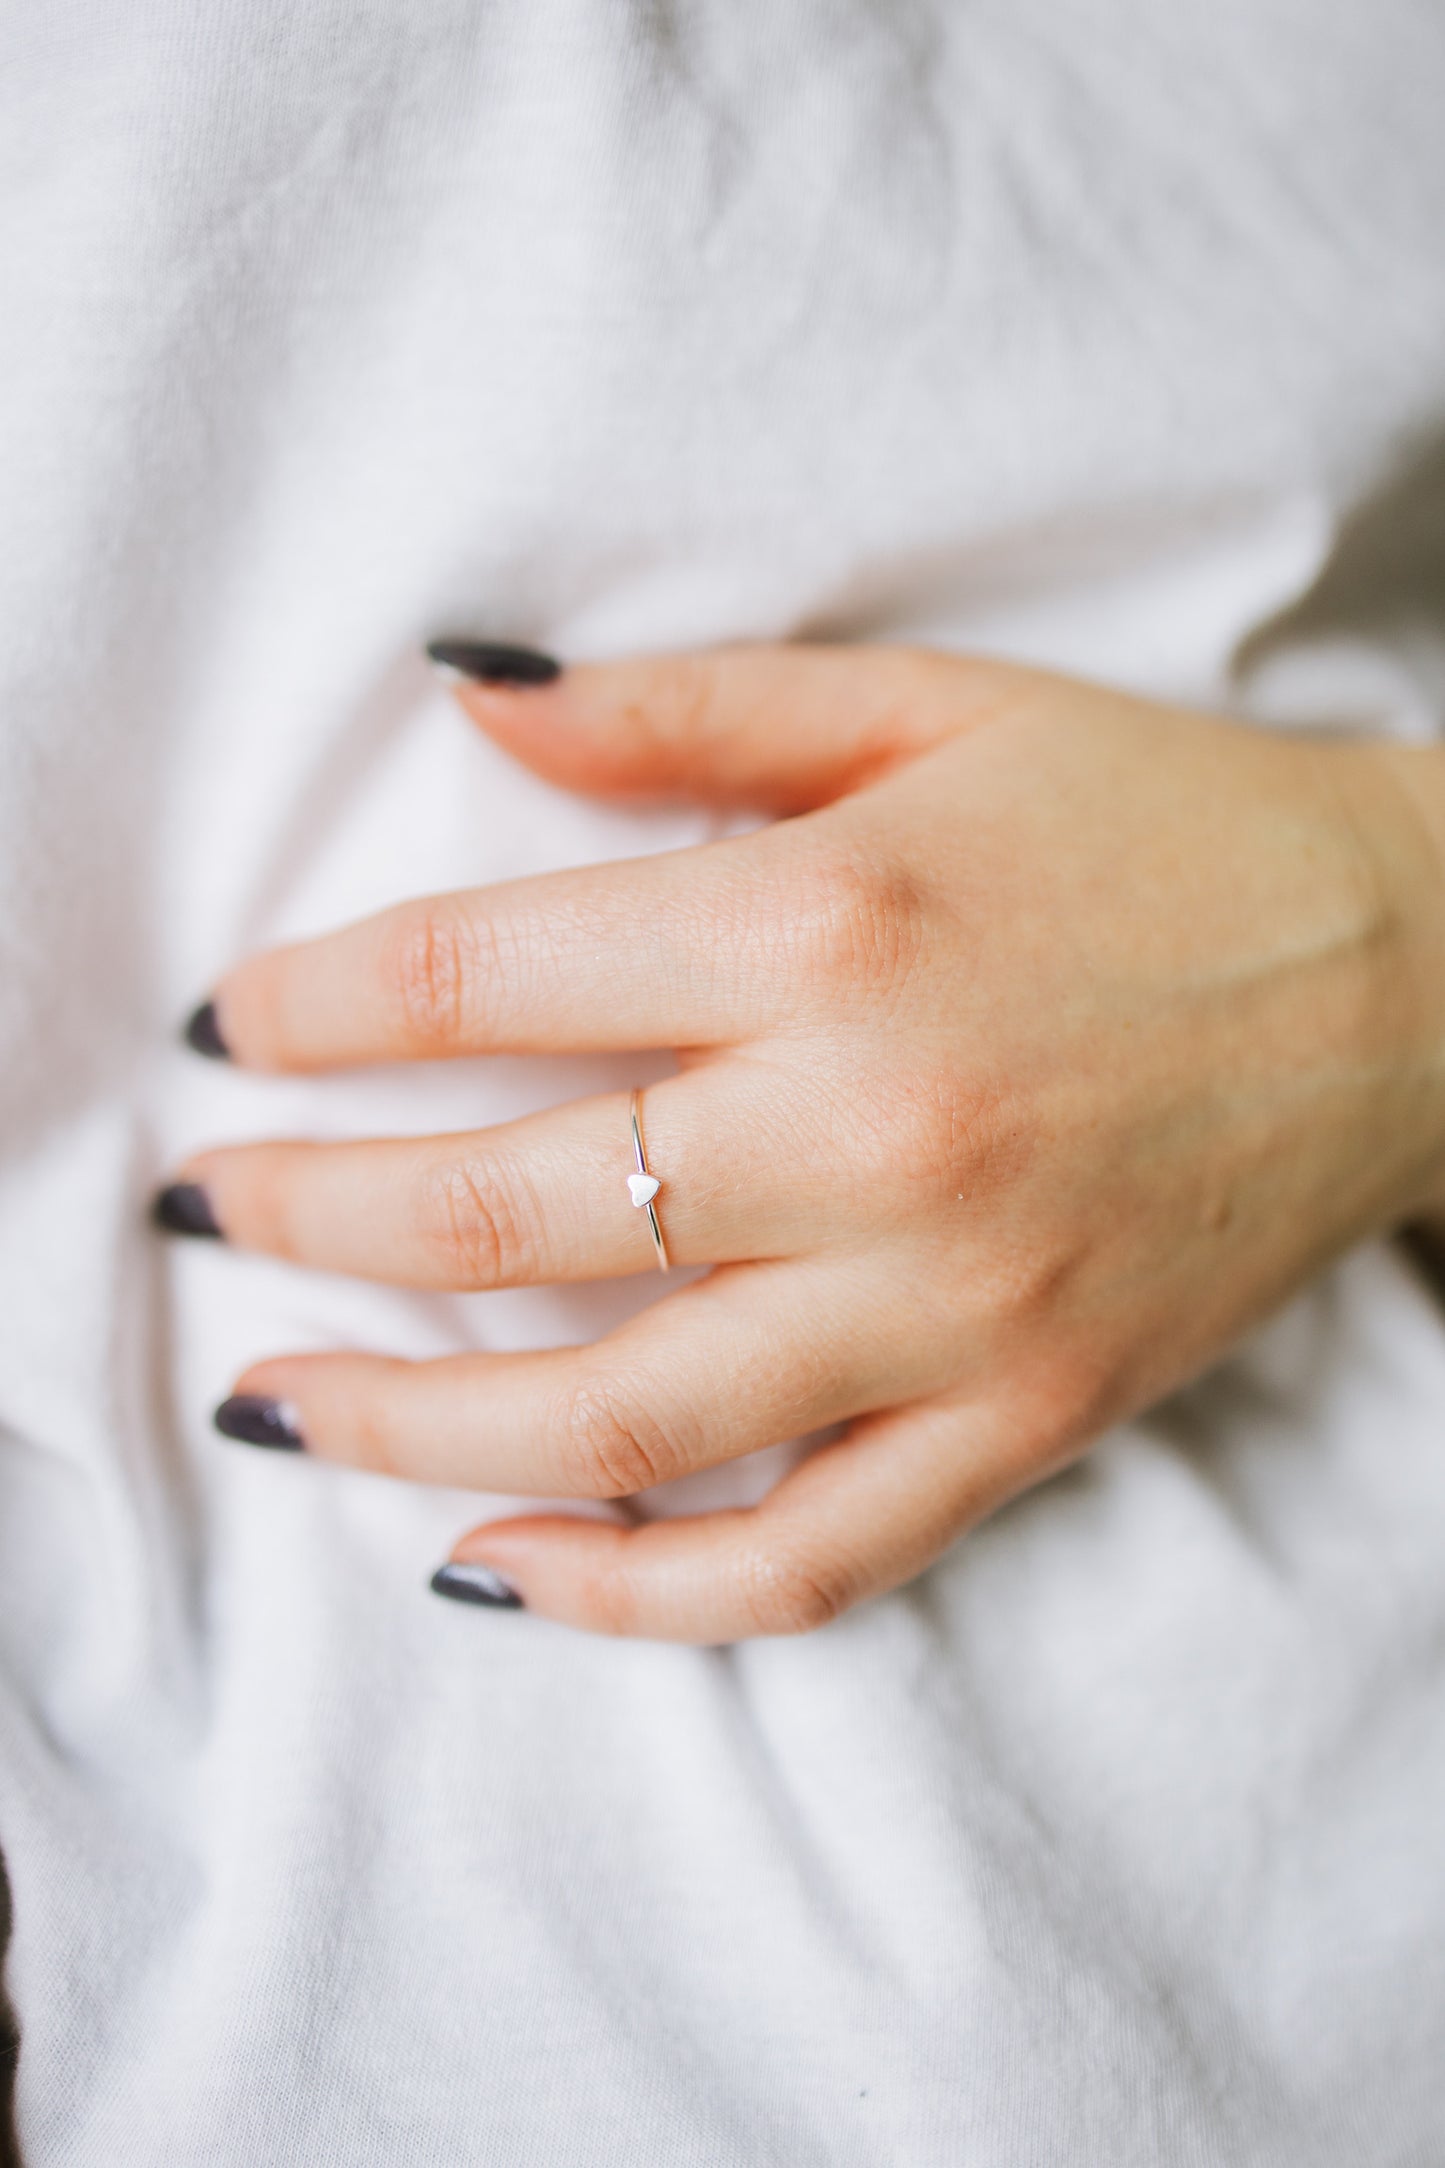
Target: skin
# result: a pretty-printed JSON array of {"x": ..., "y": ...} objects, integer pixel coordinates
[{"x": 1083, "y": 1031}]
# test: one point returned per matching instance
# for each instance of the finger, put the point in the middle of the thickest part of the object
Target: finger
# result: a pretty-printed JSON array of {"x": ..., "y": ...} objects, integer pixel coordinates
[
  {"x": 672, "y": 950},
  {"x": 783, "y": 728},
  {"x": 857, "y": 1518},
  {"x": 752, "y": 1356},
  {"x": 542, "y": 1199}
]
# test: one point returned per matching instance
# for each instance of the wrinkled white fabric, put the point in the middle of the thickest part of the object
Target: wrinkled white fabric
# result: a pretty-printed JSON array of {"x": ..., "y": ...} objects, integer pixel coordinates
[{"x": 1108, "y": 334}]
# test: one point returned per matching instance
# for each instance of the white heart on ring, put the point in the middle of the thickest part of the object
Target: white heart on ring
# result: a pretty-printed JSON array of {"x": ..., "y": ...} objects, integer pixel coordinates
[{"x": 644, "y": 1187}]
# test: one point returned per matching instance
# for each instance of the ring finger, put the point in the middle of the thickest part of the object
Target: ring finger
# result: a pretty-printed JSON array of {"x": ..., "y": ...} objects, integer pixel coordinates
[{"x": 542, "y": 1199}]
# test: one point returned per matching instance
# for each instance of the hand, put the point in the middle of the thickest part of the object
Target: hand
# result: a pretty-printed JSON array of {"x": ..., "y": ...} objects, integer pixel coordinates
[{"x": 1055, "y": 1040}]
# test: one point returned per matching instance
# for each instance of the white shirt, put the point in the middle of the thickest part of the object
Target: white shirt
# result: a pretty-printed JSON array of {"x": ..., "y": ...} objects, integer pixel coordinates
[{"x": 1107, "y": 334}]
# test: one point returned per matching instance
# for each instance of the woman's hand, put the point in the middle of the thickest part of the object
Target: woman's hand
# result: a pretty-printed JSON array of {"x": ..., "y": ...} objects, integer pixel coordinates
[{"x": 1055, "y": 1040}]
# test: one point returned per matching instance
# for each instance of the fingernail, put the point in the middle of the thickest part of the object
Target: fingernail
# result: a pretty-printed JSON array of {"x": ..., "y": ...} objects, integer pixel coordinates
[
  {"x": 257, "y": 1421},
  {"x": 476, "y": 1584},
  {"x": 490, "y": 662},
  {"x": 184, "y": 1209},
  {"x": 203, "y": 1034}
]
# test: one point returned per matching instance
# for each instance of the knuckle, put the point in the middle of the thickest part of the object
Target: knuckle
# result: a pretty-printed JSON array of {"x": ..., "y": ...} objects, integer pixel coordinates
[
  {"x": 852, "y": 925},
  {"x": 615, "y": 1447},
  {"x": 796, "y": 1592},
  {"x": 433, "y": 969},
  {"x": 482, "y": 1229},
  {"x": 1073, "y": 1395},
  {"x": 934, "y": 1137}
]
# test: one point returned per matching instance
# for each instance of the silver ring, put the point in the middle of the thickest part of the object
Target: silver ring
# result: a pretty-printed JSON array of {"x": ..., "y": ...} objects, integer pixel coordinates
[{"x": 644, "y": 1185}]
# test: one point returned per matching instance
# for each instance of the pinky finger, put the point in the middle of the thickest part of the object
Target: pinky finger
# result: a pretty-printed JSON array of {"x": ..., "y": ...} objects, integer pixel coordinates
[{"x": 857, "y": 1518}]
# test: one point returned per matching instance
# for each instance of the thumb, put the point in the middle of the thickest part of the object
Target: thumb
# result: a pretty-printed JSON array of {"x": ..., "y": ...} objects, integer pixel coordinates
[{"x": 780, "y": 728}]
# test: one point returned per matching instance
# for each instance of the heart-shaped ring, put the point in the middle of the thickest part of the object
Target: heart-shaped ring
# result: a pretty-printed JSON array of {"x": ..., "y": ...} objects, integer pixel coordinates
[{"x": 643, "y": 1186}]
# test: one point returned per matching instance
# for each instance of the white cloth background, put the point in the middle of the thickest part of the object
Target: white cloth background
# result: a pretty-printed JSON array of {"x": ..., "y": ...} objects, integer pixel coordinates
[{"x": 1110, "y": 334}]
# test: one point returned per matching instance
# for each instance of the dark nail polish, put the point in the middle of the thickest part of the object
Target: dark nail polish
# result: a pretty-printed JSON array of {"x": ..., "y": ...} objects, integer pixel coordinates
[
  {"x": 185, "y": 1209},
  {"x": 476, "y": 1584},
  {"x": 490, "y": 662},
  {"x": 203, "y": 1034},
  {"x": 256, "y": 1421}
]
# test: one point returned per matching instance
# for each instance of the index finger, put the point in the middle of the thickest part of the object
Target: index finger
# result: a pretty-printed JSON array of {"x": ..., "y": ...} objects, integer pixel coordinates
[{"x": 672, "y": 950}]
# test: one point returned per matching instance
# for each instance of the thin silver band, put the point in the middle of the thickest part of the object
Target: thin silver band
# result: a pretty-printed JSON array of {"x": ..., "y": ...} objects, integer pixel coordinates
[{"x": 646, "y": 1200}]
